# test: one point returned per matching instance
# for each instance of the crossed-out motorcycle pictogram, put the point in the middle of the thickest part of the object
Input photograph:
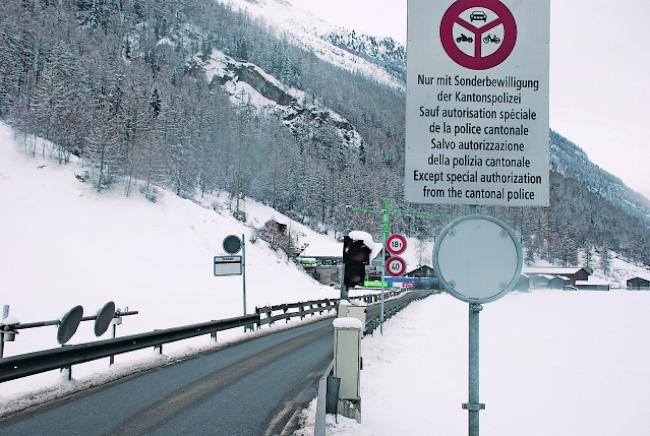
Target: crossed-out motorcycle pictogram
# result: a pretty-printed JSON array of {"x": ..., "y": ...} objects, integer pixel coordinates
[{"x": 478, "y": 35}]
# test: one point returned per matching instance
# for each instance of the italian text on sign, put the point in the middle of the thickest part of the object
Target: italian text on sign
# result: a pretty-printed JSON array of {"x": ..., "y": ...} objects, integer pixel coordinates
[{"x": 477, "y": 102}]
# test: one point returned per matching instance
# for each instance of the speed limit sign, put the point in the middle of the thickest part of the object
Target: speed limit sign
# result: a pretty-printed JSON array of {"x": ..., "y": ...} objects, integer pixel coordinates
[
  {"x": 396, "y": 244},
  {"x": 395, "y": 266}
]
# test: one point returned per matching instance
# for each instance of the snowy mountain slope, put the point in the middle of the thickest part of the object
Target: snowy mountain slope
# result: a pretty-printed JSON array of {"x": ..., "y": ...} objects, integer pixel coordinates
[
  {"x": 305, "y": 30},
  {"x": 569, "y": 159},
  {"x": 247, "y": 83},
  {"x": 62, "y": 244},
  {"x": 386, "y": 52}
]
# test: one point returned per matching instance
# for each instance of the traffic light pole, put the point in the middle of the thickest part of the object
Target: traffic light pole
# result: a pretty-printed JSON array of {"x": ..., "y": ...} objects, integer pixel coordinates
[
  {"x": 385, "y": 230},
  {"x": 383, "y": 285}
]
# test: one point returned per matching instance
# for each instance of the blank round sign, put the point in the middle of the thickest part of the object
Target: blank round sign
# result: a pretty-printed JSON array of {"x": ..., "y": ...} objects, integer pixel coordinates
[
  {"x": 104, "y": 318},
  {"x": 68, "y": 324},
  {"x": 478, "y": 259}
]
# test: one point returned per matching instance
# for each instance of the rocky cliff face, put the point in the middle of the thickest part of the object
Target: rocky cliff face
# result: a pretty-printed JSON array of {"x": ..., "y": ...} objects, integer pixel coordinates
[{"x": 247, "y": 81}]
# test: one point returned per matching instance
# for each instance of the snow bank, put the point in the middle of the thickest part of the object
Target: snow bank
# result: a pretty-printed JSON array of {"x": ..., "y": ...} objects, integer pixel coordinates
[{"x": 552, "y": 363}]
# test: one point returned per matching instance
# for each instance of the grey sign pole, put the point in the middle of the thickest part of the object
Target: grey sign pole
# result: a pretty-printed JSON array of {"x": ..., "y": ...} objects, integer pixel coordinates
[
  {"x": 383, "y": 278},
  {"x": 474, "y": 406},
  {"x": 243, "y": 247},
  {"x": 5, "y": 314}
]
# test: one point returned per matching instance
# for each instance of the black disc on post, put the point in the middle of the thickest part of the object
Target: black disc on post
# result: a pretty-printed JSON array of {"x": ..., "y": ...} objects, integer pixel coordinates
[{"x": 232, "y": 244}]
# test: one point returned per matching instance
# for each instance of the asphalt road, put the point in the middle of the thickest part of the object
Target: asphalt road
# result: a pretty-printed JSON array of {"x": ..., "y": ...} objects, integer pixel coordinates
[{"x": 255, "y": 387}]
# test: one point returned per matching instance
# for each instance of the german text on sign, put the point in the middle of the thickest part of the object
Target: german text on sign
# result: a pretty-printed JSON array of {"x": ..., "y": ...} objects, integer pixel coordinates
[{"x": 477, "y": 102}]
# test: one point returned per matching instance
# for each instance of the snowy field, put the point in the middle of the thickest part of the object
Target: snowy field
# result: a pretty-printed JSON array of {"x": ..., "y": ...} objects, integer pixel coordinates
[
  {"x": 62, "y": 244},
  {"x": 552, "y": 364}
]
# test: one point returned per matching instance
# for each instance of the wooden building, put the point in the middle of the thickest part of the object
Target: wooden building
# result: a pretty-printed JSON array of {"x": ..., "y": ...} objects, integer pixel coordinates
[
  {"x": 423, "y": 271},
  {"x": 638, "y": 284},
  {"x": 574, "y": 274}
]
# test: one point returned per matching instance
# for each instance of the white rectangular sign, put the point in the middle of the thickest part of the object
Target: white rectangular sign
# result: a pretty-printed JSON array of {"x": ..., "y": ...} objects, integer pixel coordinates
[
  {"x": 227, "y": 266},
  {"x": 477, "y": 129}
]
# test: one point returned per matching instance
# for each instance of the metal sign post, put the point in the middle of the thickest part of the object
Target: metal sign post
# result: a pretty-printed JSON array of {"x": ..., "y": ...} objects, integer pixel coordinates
[
  {"x": 233, "y": 265},
  {"x": 474, "y": 406},
  {"x": 5, "y": 315},
  {"x": 243, "y": 267},
  {"x": 385, "y": 229}
]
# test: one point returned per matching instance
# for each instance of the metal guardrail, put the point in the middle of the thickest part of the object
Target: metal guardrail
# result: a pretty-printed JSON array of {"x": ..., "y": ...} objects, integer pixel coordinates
[
  {"x": 15, "y": 367},
  {"x": 375, "y": 298},
  {"x": 304, "y": 309},
  {"x": 24, "y": 365},
  {"x": 312, "y": 307}
]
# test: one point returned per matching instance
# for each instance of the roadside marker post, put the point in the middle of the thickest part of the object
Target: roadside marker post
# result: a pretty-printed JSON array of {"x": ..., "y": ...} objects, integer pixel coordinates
[{"x": 5, "y": 315}]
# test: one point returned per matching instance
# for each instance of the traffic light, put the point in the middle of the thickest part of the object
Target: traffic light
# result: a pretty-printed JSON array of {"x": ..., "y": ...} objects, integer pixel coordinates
[{"x": 355, "y": 258}]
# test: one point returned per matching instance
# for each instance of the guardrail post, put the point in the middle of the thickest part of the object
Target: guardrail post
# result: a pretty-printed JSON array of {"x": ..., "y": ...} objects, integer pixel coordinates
[
  {"x": 115, "y": 322},
  {"x": 213, "y": 336},
  {"x": 66, "y": 371},
  {"x": 158, "y": 348},
  {"x": 302, "y": 312},
  {"x": 5, "y": 314},
  {"x": 285, "y": 309}
]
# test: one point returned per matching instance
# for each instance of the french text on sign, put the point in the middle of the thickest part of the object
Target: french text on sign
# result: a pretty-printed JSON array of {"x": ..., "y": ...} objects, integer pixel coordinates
[{"x": 477, "y": 129}]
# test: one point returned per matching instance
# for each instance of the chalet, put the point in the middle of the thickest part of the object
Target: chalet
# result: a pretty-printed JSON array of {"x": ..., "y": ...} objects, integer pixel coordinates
[
  {"x": 423, "y": 271},
  {"x": 539, "y": 280},
  {"x": 423, "y": 277},
  {"x": 574, "y": 274},
  {"x": 638, "y": 284},
  {"x": 559, "y": 282}
]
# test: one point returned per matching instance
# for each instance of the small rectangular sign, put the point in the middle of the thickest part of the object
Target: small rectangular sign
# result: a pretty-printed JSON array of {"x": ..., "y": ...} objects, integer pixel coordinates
[
  {"x": 477, "y": 121},
  {"x": 227, "y": 265}
]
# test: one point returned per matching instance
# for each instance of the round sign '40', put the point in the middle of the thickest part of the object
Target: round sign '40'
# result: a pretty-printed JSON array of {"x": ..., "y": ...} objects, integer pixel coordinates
[{"x": 396, "y": 266}]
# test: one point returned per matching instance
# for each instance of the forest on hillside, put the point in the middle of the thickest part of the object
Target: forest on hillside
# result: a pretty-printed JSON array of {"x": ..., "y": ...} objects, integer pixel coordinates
[{"x": 121, "y": 84}]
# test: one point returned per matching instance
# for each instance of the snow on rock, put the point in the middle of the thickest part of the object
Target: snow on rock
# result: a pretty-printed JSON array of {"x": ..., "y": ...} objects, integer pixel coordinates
[
  {"x": 247, "y": 83},
  {"x": 347, "y": 323}
]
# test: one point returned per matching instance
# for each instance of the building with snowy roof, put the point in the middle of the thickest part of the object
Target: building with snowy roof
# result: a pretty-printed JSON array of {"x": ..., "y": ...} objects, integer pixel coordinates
[
  {"x": 574, "y": 274},
  {"x": 638, "y": 284}
]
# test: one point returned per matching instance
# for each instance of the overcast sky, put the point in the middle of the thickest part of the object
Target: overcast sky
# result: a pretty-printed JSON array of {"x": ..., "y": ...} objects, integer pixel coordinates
[{"x": 600, "y": 72}]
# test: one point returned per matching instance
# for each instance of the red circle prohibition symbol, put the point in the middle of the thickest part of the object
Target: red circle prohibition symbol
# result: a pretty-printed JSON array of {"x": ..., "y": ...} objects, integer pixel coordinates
[
  {"x": 401, "y": 244},
  {"x": 478, "y": 62},
  {"x": 396, "y": 260}
]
